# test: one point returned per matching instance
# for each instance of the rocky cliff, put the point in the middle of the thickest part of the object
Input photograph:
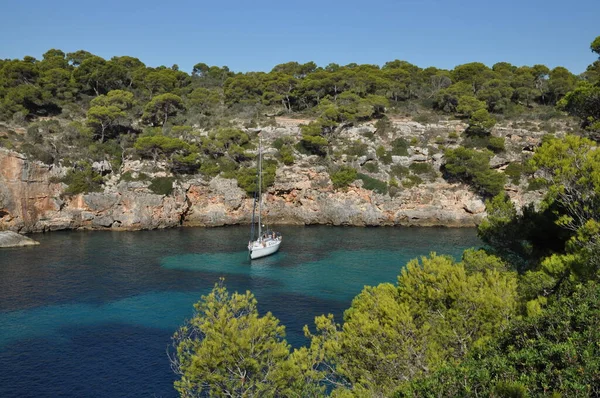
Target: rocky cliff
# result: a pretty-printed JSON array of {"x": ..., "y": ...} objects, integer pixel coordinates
[{"x": 31, "y": 199}]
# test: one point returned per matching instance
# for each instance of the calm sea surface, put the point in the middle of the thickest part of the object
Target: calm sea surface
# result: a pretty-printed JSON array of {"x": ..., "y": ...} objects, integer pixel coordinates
[{"x": 90, "y": 314}]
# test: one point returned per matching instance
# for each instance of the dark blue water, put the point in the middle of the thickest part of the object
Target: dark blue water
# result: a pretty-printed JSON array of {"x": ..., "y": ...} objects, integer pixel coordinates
[{"x": 90, "y": 314}]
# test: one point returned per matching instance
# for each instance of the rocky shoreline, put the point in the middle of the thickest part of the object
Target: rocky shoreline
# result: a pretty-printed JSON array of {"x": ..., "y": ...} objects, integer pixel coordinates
[
  {"x": 13, "y": 239},
  {"x": 31, "y": 199}
]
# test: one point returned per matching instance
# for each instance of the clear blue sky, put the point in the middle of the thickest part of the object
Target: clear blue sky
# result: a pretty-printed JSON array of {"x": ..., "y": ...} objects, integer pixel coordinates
[{"x": 255, "y": 35}]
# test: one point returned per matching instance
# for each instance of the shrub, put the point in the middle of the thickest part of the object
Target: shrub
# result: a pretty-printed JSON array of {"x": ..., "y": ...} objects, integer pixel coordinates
[
  {"x": 247, "y": 178},
  {"x": 227, "y": 165},
  {"x": 373, "y": 184},
  {"x": 537, "y": 184},
  {"x": 162, "y": 185},
  {"x": 127, "y": 176},
  {"x": 369, "y": 135},
  {"x": 481, "y": 121},
  {"x": 185, "y": 164},
  {"x": 400, "y": 147},
  {"x": 383, "y": 155},
  {"x": 472, "y": 167},
  {"x": 514, "y": 171},
  {"x": 421, "y": 168},
  {"x": 383, "y": 126},
  {"x": 82, "y": 179},
  {"x": 357, "y": 148},
  {"x": 399, "y": 171},
  {"x": 423, "y": 118},
  {"x": 312, "y": 141},
  {"x": 209, "y": 168},
  {"x": 412, "y": 181},
  {"x": 278, "y": 143},
  {"x": 286, "y": 155},
  {"x": 371, "y": 167},
  {"x": 496, "y": 144},
  {"x": 343, "y": 177},
  {"x": 37, "y": 152}
]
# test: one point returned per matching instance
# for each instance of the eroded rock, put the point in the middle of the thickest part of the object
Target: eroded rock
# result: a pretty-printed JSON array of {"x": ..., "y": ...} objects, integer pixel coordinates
[{"x": 13, "y": 239}]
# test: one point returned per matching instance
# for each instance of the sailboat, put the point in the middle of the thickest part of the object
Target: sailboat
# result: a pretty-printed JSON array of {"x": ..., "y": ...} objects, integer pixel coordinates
[{"x": 267, "y": 242}]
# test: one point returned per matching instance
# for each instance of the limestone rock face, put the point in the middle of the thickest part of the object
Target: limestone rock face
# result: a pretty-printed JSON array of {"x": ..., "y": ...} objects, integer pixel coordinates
[
  {"x": 32, "y": 201},
  {"x": 306, "y": 196},
  {"x": 13, "y": 239}
]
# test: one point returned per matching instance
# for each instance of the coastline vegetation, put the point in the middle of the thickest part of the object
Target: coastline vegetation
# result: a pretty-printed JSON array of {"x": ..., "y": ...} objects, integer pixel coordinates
[
  {"x": 519, "y": 318},
  {"x": 77, "y": 107}
]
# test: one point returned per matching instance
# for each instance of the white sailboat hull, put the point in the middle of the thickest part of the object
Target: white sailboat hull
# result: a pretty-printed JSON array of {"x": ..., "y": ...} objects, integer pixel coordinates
[{"x": 260, "y": 249}]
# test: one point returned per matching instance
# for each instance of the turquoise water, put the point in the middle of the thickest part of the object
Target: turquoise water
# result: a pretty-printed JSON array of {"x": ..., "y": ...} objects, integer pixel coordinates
[{"x": 91, "y": 313}]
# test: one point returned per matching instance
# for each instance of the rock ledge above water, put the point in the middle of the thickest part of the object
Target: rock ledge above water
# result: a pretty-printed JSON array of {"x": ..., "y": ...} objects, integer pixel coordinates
[{"x": 13, "y": 239}]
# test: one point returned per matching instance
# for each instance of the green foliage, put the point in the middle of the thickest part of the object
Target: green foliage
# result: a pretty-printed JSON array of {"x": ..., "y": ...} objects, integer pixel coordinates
[
  {"x": 162, "y": 107},
  {"x": 162, "y": 185},
  {"x": 423, "y": 118},
  {"x": 156, "y": 145},
  {"x": 537, "y": 184},
  {"x": 129, "y": 176},
  {"x": 423, "y": 169},
  {"x": 37, "y": 152},
  {"x": 412, "y": 181},
  {"x": 399, "y": 171},
  {"x": 472, "y": 167},
  {"x": 227, "y": 349},
  {"x": 584, "y": 103},
  {"x": 496, "y": 144},
  {"x": 343, "y": 177},
  {"x": 400, "y": 147},
  {"x": 524, "y": 238},
  {"x": 373, "y": 184},
  {"x": 484, "y": 141},
  {"x": 124, "y": 100},
  {"x": 383, "y": 126},
  {"x": 204, "y": 100},
  {"x": 185, "y": 163},
  {"x": 481, "y": 122},
  {"x": 371, "y": 167},
  {"x": 210, "y": 168},
  {"x": 469, "y": 106},
  {"x": 595, "y": 46},
  {"x": 103, "y": 119},
  {"x": 514, "y": 170},
  {"x": 122, "y": 88},
  {"x": 554, "y": 353},
  {"x": 391, "y": 334},
  {"x": 383, "y": 155},
  {"x": 357, "y": 148},
  {"x": 247, "y": 178},
  {"x": 572, "y": 166},
  {"x": 278, "y": 143},
  {"x": 312, "y": 140},
  {"x": 286, "y": 155},
  {"x": 82, "y": 179}
]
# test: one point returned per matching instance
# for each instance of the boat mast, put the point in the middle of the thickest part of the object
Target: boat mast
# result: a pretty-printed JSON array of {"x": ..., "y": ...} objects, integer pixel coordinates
[{"x": 259, "y": 185}]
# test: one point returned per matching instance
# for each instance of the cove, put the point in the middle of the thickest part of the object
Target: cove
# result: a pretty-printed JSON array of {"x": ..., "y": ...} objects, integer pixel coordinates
[{"x": 91, "y": 313}]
